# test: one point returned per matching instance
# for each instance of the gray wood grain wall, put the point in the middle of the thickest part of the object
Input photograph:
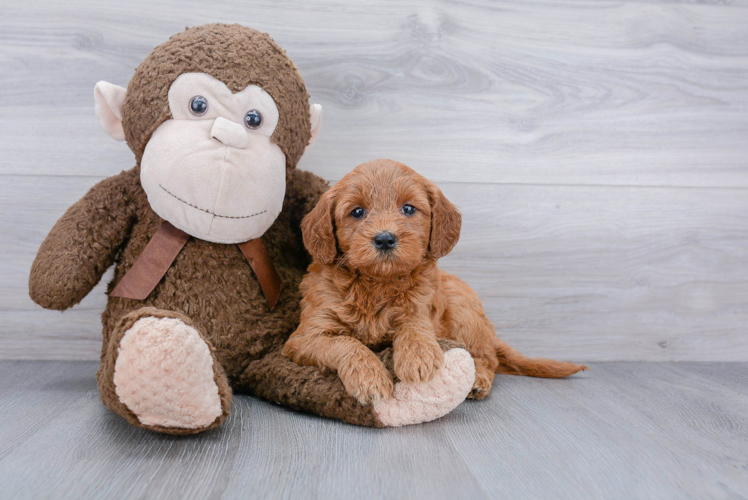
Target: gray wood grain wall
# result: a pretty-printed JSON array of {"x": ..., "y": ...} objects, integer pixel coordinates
[{"x": 598, "y": 151}]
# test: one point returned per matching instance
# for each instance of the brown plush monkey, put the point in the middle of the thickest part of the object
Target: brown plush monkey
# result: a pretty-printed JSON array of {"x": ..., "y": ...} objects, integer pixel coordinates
[{"x": 204, "y": 233}]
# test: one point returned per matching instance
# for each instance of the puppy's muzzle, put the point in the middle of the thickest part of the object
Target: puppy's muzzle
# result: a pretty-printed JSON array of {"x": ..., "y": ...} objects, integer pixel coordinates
[{"x": 385, "y": 241}]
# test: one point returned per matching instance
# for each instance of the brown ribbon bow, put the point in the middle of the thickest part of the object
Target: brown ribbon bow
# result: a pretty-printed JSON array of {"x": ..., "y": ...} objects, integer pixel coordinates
[{"x": 159, "y": 254}]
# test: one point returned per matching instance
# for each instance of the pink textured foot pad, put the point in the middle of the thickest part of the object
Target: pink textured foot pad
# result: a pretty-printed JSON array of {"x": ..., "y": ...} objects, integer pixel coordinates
[
  {"x": 426, "y": 401},
  {"x": 164, "y": 375}
]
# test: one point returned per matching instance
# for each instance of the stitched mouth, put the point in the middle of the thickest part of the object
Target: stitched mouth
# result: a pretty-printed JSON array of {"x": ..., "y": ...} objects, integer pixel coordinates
[{"x": 208, "y": 211}]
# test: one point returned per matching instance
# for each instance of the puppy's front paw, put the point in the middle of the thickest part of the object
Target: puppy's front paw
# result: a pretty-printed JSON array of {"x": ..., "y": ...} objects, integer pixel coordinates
[
  {"x": 367, "y": 380},
  {"x": 417, "y": 361}
]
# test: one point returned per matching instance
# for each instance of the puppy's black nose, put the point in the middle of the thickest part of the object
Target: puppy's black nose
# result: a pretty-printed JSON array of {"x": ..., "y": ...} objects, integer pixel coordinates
[{"x": 385, "y": 241}]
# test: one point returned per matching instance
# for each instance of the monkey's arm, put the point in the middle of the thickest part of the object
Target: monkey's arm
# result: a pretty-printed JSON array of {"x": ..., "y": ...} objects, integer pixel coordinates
[{"x": 83, "y": 244}]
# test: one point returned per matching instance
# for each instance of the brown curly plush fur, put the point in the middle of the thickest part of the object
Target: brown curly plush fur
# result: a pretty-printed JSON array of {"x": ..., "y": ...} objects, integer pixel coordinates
[
  {"x": 358, "y": 298},
  {"x": 209, "y": 286}
]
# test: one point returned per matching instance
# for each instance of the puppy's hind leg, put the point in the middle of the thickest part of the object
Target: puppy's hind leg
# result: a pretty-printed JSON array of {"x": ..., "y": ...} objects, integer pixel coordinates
[
  {"x": 484, "y": 376},
  {"x": 467, "y": 323}
]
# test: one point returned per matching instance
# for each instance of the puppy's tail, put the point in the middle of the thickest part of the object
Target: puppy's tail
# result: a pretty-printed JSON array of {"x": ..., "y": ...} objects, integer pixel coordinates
[{"x": 513, "y": 363}]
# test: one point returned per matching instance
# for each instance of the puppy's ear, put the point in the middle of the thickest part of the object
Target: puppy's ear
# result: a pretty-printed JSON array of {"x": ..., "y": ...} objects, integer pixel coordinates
[
  {"x": 319, "y": 231},
  {"x": 446, "y": 222}
]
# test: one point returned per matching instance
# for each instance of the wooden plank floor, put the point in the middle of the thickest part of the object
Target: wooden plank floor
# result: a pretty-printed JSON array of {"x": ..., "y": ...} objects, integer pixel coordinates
[{"x": 621, "y": 430}]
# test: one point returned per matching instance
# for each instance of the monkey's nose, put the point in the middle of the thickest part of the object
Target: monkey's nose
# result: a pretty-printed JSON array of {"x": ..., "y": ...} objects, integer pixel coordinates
[
  {"x": 385, "y": 241},
  {"x": 229, "y": 133}
]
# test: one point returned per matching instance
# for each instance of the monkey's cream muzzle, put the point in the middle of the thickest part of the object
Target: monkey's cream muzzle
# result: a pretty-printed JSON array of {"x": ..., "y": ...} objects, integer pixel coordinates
[
  {"x": 210, "y": 175},
  {"x": 211, "y": 190}
]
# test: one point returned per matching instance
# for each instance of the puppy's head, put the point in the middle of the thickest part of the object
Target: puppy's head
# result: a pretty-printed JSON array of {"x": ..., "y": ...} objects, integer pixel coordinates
[{"x": 381, "y": 219}]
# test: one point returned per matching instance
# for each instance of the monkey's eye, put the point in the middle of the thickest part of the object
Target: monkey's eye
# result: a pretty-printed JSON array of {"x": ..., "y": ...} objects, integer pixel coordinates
[
  {"x": 358, "y": 213},
  {"x": 408, "y": 210},
  {"x": 198, "y": 105},
  {"x": 253, "y": 119}
]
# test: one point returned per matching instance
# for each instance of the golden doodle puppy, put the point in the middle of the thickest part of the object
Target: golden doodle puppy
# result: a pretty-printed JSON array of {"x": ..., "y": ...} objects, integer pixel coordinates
[{"x": 375, "y": 237}]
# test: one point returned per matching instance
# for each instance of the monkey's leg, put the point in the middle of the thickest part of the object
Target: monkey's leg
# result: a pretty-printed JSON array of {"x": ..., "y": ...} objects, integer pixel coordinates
[
  {"x": 307, "y": 388},
  {"x": 159, "y": 372}
]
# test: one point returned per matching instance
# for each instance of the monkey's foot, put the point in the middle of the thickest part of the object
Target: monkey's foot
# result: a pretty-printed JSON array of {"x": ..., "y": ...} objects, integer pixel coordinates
[
  {"x": 426, "y": 401},
  {"x": 165, "y": 375}
]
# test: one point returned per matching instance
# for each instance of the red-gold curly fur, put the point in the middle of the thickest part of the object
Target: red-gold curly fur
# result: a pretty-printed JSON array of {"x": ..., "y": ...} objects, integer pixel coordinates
[{"x": 358, "y": 298}]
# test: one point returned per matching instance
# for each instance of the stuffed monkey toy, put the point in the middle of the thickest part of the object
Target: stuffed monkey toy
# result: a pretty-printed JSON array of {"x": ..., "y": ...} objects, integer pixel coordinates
[{"x": 204, "y": 233}]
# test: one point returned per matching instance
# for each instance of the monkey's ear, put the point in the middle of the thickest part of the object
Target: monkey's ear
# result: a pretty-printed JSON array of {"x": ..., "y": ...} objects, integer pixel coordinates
[
  {"x": 315, "y": 113},
  {"x": 446, "y": 222},
  {"x": 108, "y": 100},
  {"x": 318, "y": 230}
]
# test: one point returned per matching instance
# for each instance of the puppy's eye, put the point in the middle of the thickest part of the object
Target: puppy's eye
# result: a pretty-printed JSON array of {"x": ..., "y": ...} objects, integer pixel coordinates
[
  {"x": 198, "y": 105},
  {"x": 409, "y": 210},
  {"x": 358, "y": 213},
  {"x": 253, "y": 119}
]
